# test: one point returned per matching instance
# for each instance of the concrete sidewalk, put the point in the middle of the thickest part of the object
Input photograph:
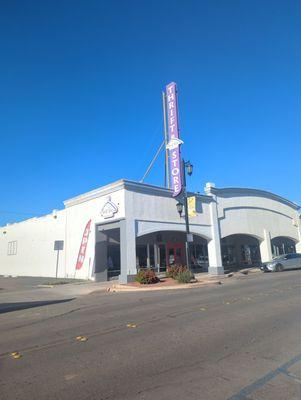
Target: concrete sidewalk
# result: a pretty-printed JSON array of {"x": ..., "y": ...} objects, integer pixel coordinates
[
  {"x": 33, "y": 289},
  {"x": 76, "y": 288}
]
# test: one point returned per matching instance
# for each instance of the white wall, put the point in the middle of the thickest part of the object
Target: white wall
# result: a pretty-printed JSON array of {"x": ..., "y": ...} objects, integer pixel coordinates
[
  {"x": 35, "y": 246},
  {"x": 252, "y": 214},
  {"x": 77, "y": 216},
  {"x": 154, "y": 213},
  {"x": 35, "y": 238}
]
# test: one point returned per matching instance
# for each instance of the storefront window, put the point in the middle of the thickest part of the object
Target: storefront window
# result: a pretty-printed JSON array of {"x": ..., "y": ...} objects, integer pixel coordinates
[
  {"x": 228, "y": 255},
  {"x": 141, "y": 254},
  {"x": 199, "y": 255}
]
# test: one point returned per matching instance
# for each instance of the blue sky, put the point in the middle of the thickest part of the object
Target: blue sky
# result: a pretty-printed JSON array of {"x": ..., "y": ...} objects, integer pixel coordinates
[{"x": 81, "y": 82}]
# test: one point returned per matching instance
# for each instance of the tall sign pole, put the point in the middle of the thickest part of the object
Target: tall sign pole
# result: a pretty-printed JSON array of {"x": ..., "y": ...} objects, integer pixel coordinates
[
  {"x": 177, "y": 166},
  {"x": 174, "y": 141}
]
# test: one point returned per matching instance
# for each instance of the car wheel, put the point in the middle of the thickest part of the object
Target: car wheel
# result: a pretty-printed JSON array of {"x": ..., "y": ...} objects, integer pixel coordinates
[{"x": 279, "y": 268}]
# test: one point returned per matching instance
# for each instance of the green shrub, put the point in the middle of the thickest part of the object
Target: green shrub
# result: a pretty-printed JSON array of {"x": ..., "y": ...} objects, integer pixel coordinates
[
  {"x": 179, "y": 273},
  {"x": 174, "y": 270},
  {"x": 184, "y": 276},
  {"x": 170, "y": 272},
  {"x": 146, "y": 276}
]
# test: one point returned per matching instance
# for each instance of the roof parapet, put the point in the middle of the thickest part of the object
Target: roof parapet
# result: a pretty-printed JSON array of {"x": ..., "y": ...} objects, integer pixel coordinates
[{"x": 210, "y": 189}]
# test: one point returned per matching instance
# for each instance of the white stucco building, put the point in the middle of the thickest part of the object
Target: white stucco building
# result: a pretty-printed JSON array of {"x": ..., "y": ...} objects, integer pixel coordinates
[{"x": 113, "y": 230}]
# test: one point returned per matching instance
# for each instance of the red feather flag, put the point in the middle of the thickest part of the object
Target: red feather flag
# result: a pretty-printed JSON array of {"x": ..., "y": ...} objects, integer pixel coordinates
[{"x": 83, "y": 246}]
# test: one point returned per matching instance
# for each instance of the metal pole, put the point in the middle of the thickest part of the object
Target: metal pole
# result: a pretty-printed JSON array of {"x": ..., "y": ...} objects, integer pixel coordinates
[
  {"x": 186, "y": 216},
  {"x": 57, "y": 263},
  {"x": 152, "y": 162},
  {"x": 167, "y": 180}
]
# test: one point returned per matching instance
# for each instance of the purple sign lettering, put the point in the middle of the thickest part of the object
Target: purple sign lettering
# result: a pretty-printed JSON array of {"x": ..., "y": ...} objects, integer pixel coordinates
[{"x": 174, "y": 140}]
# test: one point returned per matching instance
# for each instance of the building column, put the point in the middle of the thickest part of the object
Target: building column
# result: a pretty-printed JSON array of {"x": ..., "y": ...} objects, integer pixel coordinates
[
  {"x": 148, "y": 256},
  {"x": 214, "y": 245},
  {"x": 298, "y": 244},
  {"x": 128, "y": 268},
  {"x": 266, "y": 247},
  {"x": 156, "y": 255}
]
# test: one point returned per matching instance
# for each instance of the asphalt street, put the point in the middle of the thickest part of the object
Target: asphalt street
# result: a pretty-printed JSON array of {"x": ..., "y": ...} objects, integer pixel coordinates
[{"x": 240, "y": 340}]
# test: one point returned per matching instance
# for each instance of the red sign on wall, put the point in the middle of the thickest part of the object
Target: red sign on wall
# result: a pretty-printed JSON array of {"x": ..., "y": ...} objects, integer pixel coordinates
[{"x": 83, "y": 246}]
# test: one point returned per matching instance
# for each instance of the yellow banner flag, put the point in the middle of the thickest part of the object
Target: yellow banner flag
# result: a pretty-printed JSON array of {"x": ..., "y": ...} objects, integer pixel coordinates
[{"x": 191, "y": 206}]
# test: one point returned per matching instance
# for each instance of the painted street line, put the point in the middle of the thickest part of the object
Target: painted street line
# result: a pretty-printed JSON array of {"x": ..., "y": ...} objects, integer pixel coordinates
[
  {"x": 16, "y": 355},
  {"x": 131, "y": 326},
  {"x": 282, "y": 370},
  {"x": 81, "y": 338}
]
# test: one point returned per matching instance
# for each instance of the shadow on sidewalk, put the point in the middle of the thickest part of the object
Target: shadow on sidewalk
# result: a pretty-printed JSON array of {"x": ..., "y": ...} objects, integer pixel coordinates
[{"x": 9, "y": 307}]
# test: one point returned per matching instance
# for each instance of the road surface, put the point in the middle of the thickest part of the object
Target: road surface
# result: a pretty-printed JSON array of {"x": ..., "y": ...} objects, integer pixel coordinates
[{"x": 239, "y": 340}]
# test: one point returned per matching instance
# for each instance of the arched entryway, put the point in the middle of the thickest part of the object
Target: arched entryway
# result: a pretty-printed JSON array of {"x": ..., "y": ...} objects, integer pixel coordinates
[
  {"x": 240, "y": 251},
  {"x": 283, "y": 245},
  {"x": 161, "y": 249}
]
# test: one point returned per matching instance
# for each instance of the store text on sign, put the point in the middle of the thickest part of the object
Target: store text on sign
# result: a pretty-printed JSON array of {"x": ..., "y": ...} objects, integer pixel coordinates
[{"x": 174, "y": 140}]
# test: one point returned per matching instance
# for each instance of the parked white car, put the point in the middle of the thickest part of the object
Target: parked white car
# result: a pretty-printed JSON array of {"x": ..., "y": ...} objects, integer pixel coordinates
[{"x": 286, "y": 261}]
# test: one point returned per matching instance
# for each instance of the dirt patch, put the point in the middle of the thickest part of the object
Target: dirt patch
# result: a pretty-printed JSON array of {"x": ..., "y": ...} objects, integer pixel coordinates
[{"x": 162, "y": 283}]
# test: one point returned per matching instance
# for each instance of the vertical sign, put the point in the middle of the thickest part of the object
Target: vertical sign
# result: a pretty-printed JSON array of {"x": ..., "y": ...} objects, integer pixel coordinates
[
  {"x": 174, "y": 141},
  {"x": 83, "y": 247}
]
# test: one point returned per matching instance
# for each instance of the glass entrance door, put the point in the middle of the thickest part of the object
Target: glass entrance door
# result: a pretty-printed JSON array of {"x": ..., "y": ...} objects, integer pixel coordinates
[
  {"x": 175, "y": 254},
  {"x": 162, "y": 257}
]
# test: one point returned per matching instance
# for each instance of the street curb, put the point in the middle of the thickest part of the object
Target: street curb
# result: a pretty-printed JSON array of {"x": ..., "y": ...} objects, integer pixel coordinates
[
  {"x": 248, "y": 271},
  {"x": 118, "y": 288},
  {"x": 46, "y": 286}
]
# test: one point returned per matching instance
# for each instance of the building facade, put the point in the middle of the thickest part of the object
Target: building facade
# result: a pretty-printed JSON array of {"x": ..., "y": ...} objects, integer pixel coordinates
[{"x": 111, "y": 231}]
